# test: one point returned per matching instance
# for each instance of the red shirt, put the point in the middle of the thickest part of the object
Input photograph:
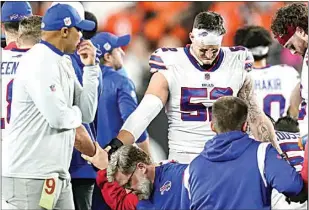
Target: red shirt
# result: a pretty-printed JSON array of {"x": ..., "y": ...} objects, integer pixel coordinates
[{"x": 114, "y": 195}]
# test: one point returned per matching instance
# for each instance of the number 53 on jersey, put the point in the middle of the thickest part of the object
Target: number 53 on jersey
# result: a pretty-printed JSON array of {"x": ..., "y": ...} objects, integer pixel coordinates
[{"x": 195, "y": 103}]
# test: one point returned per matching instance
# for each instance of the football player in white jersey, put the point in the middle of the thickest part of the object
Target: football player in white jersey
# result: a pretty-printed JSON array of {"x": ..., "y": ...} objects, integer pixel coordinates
[
  {"x": 273, "y": 85},
  {"x": 291, "y": 143},
  {"x": 29, "y": 34},
  {"x": 290, "y": 27},
  {"x": 187, "y": 81}
]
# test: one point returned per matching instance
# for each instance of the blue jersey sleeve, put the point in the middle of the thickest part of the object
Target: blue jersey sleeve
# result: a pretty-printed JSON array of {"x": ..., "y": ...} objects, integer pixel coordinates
[
  {"x": 145, "y": 205},
  {"x": 280, "y": 175},
  {"x": 127, "y": 103}
]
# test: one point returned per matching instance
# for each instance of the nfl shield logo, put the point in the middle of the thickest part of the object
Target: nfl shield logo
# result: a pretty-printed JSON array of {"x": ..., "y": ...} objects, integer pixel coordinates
[
  {"x": 67, "y": 21},
  {"x": 207, "y": 76},
  {"x": 52, "y": 88}
]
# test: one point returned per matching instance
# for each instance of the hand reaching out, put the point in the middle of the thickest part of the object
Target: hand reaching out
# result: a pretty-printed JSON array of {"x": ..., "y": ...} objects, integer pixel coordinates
[{"x": 100, "y": 159}]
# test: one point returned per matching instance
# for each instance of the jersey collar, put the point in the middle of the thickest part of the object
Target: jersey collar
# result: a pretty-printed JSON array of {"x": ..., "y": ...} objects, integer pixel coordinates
[
  {"x": 20, "y": 50},
  {"x": 52, "y": 47},
  {"x": 210, "y": 68},
  {"x": 10, "y": 46},
  {"x": 265, "y": 67}
]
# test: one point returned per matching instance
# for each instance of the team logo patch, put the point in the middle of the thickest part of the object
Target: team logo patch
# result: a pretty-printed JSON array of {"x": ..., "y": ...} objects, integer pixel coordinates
[
  {"x": 52, "y": 88},
  {"x": 207, "y": 76},
  {"x": 166, "y": 187},
  {"x": 67, "y": 21},
  {"x": 107, "y": 46},
  {"x": 204, "y": 33},
  {"x": 248, "y": 67}
]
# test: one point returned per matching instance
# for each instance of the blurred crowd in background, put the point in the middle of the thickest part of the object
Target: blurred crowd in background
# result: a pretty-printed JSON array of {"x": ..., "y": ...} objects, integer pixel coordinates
[{"x": 167, "y": 24}]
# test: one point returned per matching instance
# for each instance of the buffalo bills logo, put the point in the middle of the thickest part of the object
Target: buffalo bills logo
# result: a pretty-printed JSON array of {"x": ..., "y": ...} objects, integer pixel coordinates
[
  {"x": 207, "y": 76},
  {"x": 166, "y": 187},
  {"x": 16, "y": 17},
  {"x": 204, "y": 33}
]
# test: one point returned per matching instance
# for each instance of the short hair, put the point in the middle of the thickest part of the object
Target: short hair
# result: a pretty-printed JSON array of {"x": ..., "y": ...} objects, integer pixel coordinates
[
  {"x": 293, "y": 15},
  {"x": 287, "y": 124},
  {"x": 92, "y": 17},
  {"x": 252, "y": 36},
  {"x": 11, "y": 27},
  {"x": 30, "y": 28},
  {"x": 210, "y": 21},
  {"x": 229, "y": 113},
  {"x": 125, "y": 160}
]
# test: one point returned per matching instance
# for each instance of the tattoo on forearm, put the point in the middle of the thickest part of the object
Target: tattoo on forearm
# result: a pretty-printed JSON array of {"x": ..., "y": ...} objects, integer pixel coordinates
[
  {"x": 260, "y": 128},
  {"x": 263, "y": 133}
]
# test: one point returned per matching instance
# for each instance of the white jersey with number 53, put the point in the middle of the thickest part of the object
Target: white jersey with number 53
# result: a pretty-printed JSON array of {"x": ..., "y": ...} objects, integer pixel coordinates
[
  {"x": 193, "y": 90},
  {"x": 9, "y": 63},
  {"x": 273, "y": 87}
]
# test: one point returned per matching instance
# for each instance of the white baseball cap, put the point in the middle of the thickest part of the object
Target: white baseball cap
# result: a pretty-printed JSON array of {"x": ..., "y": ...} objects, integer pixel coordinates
[{"x": 75, "y": 4}]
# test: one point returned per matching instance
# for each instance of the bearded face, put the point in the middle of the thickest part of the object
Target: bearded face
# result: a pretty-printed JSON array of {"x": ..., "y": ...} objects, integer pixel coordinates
[{"x": 143, "y": 189}]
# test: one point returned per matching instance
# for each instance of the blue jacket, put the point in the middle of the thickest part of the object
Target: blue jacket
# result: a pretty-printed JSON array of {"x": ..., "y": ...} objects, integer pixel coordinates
[
  {"x": 79, "y": 167},
  {"x": 226, "y": 175},
  {"x": 166, "y": 189},
  {"x": 116, "y": 103}
]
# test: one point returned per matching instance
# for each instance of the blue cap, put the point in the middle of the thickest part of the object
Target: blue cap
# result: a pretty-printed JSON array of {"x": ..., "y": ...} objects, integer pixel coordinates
[
  {"x": 63, "y": 15},
  {"x": 106, "y": 42},
  {"x": 14, "y": 11}
]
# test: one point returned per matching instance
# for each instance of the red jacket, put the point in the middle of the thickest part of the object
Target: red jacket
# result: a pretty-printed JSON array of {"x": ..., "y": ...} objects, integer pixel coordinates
[
  {"x": 304, "y": 171},
  {"x": 114, "y": 195}
]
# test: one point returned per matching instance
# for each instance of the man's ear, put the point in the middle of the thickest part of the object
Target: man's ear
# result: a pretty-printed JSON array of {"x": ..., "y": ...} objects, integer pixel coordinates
[
  {"x": 191, "y": 36},
  {"x": 64, "y": 32},
  {"x": 141, "y": 167},
  {"x": 244, "y": 127},
  {"x": 301, "y": 33},
  {"x": 107, "y": 57},
  {"x": 212, "y": 126},
  {"x": 299, "y": 29}
]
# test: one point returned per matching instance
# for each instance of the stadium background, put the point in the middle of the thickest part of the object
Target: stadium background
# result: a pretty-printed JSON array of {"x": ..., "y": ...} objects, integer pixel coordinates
[{"x": 156, "y": 24}]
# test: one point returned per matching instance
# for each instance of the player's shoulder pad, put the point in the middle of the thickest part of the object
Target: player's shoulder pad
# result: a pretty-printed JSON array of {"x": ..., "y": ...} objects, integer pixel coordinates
[
  {"x": 288, "y": 71},
  {"x": 163, "y": 57},
  {"x": 285, "y": 66},
  {"x": 243, "y": 55}
]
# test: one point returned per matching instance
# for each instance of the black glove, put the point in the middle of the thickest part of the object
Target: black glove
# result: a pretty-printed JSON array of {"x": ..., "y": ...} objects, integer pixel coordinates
[
  {"x": 300, "y": 198},
  {"x": 114, "y": 144}
]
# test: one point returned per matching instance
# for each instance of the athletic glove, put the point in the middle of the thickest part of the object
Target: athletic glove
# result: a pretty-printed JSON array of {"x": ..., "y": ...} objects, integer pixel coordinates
[
  {"x": 302, "y": 197},
  {"x": 115, "y": 144}
]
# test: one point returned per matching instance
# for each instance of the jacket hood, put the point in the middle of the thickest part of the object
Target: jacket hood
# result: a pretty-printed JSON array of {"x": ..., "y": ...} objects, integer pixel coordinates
[{"x": 226, "y": 146}]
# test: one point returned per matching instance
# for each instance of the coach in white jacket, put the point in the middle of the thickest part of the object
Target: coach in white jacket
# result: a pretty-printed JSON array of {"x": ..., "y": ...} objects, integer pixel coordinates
[{"x": 48, "y": 105}]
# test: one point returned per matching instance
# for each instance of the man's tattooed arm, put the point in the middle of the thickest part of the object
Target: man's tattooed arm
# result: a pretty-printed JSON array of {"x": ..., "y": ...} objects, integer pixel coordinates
[{"x": 261, "y": 127}]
